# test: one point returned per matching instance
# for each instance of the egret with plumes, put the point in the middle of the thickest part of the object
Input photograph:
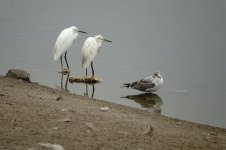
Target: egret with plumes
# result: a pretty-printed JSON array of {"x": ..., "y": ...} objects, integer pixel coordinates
[
  {"x": 64, "y": 42},
  {"x": 90, "y": 50},
  {"x": 148, "y": 84}
]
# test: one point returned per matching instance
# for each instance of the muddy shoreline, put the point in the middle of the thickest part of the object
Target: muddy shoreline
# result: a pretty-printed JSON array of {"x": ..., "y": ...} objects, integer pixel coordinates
[{"x": 33, "y": 116}]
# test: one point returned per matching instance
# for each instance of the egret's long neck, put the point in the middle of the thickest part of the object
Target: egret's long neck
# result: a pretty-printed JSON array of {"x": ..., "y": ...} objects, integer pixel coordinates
[
  {"x": 75, "y": 35},
  {"x": 99, "y": 44}
]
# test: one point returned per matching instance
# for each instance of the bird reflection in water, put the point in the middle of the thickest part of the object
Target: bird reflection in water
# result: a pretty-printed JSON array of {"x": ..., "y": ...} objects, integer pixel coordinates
[
  {"x": 64, "y": 86},
  {"x": 86, "y": 82},
  {"x": 87, "y": 90},
  {"x": 151, "y": 102}
]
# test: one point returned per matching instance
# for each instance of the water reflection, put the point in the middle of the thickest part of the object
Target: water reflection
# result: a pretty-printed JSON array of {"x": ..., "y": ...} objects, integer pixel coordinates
[
  {"x": 73, "y": 80},
  {"x": 86, "y": 93},
  {"x": 64, "y": 86},
  {"x": 151, "y": 102}
]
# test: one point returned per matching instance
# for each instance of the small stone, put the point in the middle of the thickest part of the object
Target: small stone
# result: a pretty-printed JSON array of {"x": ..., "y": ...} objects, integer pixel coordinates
[
  {"x": 51, "y": 146},
  {"x": 64, "y": 109},
  {"x": 65, "y": 120},
  {"x": 213, "y": 133},
  {"x": 9, "y": 103},
  {"x": 55, "y": 128},
  {"x": 91, "y": 126},
  {"x": 59, "y": 98},
  {"x": 104, "y": 108},
  {"x": 2, "y": 94},
  {"x": 148, "y": 130},
  {"x": 179, "y": 123},
  {"x": 18, "y": 74}
]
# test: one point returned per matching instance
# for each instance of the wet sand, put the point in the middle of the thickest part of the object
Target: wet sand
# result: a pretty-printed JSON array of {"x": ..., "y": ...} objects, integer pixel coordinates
[{"x": 34, "y": 116}]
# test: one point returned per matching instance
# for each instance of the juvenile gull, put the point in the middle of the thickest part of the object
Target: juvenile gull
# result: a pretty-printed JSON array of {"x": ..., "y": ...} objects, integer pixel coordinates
[{"x": 148, "y": 84}]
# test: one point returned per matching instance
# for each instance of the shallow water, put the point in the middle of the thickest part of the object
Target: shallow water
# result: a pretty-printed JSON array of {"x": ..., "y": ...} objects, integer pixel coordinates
[{"x": 183, "y": 39}]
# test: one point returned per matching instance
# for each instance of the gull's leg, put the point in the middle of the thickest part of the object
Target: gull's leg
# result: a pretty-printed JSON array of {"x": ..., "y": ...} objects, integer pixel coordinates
[{"x": 92, "y": 69}]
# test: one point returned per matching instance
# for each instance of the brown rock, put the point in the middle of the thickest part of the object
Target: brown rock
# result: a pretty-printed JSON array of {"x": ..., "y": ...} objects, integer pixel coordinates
[{"x": 18, "y": 74}]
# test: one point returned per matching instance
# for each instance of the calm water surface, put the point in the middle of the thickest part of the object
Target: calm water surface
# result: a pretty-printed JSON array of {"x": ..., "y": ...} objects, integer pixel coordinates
[{"x": 184, "y": 39}]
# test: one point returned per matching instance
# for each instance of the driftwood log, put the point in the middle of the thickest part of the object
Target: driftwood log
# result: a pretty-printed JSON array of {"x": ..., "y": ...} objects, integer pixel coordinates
[{"x": 88, "y": 80}]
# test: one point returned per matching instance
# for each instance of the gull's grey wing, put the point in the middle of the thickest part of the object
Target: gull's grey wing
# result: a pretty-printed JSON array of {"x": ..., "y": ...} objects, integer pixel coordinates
[
  {"x": 143, "y": 85},
  {"x": 148, "y": 80}
]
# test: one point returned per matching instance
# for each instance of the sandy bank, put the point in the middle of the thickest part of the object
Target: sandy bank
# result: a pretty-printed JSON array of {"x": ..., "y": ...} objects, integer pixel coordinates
[{"x": 32, "y": 114}]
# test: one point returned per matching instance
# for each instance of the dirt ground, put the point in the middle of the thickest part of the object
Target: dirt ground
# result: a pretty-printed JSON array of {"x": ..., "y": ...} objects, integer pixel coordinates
[{"x": 35, "y": 117}]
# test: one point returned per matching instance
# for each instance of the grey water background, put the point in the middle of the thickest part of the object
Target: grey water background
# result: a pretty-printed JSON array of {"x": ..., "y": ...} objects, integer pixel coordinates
[{"x": 184, "y": 39}]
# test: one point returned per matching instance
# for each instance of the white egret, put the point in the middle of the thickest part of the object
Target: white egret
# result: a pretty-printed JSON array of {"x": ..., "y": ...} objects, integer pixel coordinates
[
  {"x": 64, "y": 42},
  {"x": 90, "y": 49},
  {"x": 148, "y": 84}
]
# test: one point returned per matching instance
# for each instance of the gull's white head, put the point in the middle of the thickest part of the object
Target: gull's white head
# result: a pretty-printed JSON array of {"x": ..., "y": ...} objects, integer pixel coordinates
[{"x": 157, "y": 74}]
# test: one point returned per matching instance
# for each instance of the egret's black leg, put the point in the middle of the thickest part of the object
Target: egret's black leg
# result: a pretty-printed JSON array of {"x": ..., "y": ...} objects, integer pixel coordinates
[
  {"x": 92, "y": 69},
  {"x": 86, "y": 72},
  {"x": 65, "y": 57},
  {"x": 61, "y": 62}
]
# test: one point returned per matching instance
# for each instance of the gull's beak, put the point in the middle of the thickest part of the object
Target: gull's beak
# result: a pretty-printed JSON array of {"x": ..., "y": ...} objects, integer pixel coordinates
[
  {"x": 82, "y": 32},
  {"x": 159, "y": 77},
  {"x": 107, "y": 40}
]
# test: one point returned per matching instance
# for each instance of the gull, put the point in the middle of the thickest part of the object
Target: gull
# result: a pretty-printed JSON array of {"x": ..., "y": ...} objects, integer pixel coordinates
[{"x": 148, "y": 84}]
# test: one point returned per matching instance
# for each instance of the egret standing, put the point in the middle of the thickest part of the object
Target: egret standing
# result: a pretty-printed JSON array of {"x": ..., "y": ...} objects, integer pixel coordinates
[
  {"x": 64, "y": 43},
  {"x": 90, "y": 49}
]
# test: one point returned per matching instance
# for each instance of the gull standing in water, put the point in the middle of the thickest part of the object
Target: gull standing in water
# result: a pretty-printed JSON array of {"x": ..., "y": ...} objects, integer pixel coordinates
[
  {"x": 148, "y": 84},
  {"x": 63, "y": 43},
  {"x": 90, "y": 50}
]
